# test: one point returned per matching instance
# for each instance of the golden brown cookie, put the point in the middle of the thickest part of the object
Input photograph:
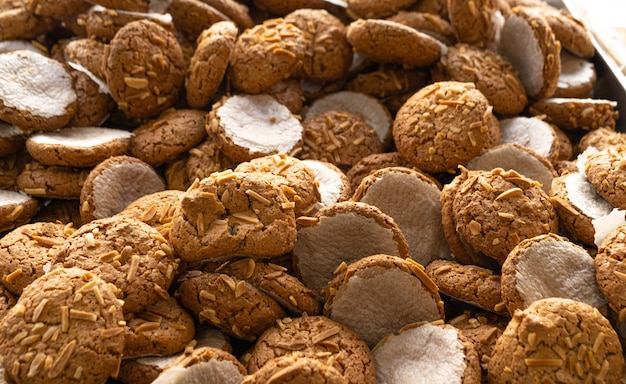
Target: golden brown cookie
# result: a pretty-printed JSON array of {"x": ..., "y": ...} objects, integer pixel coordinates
[
  {"x": 371, "y": 163},
  {"x": 603, "y": 170},
  {"x": 600, "y": 139},
  {"x": 53, "y": 182},
  {"x": 94, "y": 104},
  {"x": 482, "y": 329},
  {"x": 103, "y": 23},
  {"x": 609, "y": 270},
  {"x": 475, "y": 22},
  {"x": 16, "y": 209},
  {"x": 573, "y": 113},
  {"x": 7, "y": 300},
  {"x": 333, "y": 184},
  {"x": 18, "y": 22},
  {"x": 569, "y": 31},
  {"x": 371, "y": 9},
  {"x": 155, "y": 209},
  {"x": 388, "y": 81},
  {"x": 294, "y": 369},
  {"x": 191, "y": 17},
  {"x": 88, "y": 53}
]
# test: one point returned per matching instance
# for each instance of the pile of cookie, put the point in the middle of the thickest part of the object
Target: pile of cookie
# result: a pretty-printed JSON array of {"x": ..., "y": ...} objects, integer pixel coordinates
[{"x": 315, "y": 191}]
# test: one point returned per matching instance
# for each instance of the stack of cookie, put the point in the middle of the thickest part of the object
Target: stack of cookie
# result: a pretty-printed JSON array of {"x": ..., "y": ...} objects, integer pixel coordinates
[{"x": 311, "y": 191}]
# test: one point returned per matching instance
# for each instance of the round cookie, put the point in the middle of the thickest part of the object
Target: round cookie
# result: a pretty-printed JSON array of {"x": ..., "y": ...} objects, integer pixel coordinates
[
  {"x": 495, "y": 210},
  {"x": 283, "y": 7},
  {"x": 125, "y": 252},
  {"x": 443, "y": 125},
  {"x": 232, "y": 213},
  {"x": 569, "y": 31},
  {"x": 295, "y": 369},
  {"x": 560, "y": 340},
  {"x": 78, "y": 146},
  {"x": 103, "y": 23},
  {"x": 603, "y": 170},
  {"x": 155, "y": 209},
  {"x": 315, "y": 337},
  {"x": 18, "y": 22},
  {"x": 429, "y": 23},
  {"x": 600, "y": 139},
  {"x": 371, "y": 163},
  {"x": 7, "y": 300},
  {"x": 12, "y": 139},
  {"x": 575, "y": 114},
  {"x": 578, "y": 77},
  {"x": 533, "y": 133},
  {"x": 68, "y": 324},
  {"x": 28, "y": 251},
  {"x": 207, "y": 365},
  {"x": 476, "y": 22},
  {"x": 388, "y": 81},
  {"x": 371, "y": 9},
  {"x": 289, "y": 93},
  {"x": 209, "y": 63},
  {"x": 93, "y": 102},
  {"x": 16, "y": 209},
  {"x": 232, "y": 305},
  {"x": 609, "y": 271},
  {"x": 144, "y": 69},
  {"x": 192, "y": 17},
  {"x": 88, "y": 53},
  {"x": 36, "y": 92}
]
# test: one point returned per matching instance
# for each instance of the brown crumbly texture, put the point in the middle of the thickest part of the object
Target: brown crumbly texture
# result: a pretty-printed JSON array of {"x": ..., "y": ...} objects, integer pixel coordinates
[
  {"x": 7, "y": 300},
  {"x": 126, "y": 5},
  {"x": 103, "y": 24},
  {"x": 436, "y": 7},
  {"x": 25, "y": 252},
  {"x": 338, "y": 137},
  {"x": 443, "y": 125},
  {"x": 283, "y": 7},
  {"x": 474, "y": 21},
  {"x": 329, "y": 54},
  {"x": 275, "y": 281},
  {"x": 495, "y": 210},
  {"x": 206, "y": 354},
  {"x": 232, "y": 305},
  {"x": 610, "y": 270},
  {"x": 560, "y": 340},
  {"x": 385, "y": 41},
  {"x": 569, "y": 31},
  {"x": 289, "y": 93},
  {"x": 296, "y": 369},
  {"x": 65, "y": 326},
  {"x": 167, "y": 136},
  {"x": 315, "y": 337},
  {"x": 52, "y": 181},
  {"x": 58, "y": 210},
  {"x": 604, "y": 171},
  {"x": 191, "y": 17},
  {"x": 164, "y": 328},
  {"x": 18, "y": 22},
  {"x": 490, "y": 72},
  {"x": 428, "y": 23},
  {"x": 575, "y": 114},
  {"x": 482, "y": 329},
  {"x": 371, "y": 163},
  {"x": 10, "y": 168},
  {"x": 89, "y": 53},
  {"x": 388, "y": 80},
  {"x": 566, "y": 147},
  {"x": 126, "y": 252},
  {"x": 372, "y": 9},
  {"x": 469, "y": 283},
  {"x": 234, "y": 10},
  {"x": 294, "y": 178},
  {"x": 577, "y": 223},
  {"x": 13, "y": 215},
  {"x": 231, "y": 213},
  {"x": 265, "y": 54},
  {"x": 144, "y": 69},
  {"x": 209, "y": 63},
  {"x": 92, "y": 105},
  {"x": 155, "y": 209},
  {"x": 601, "y": 138}
]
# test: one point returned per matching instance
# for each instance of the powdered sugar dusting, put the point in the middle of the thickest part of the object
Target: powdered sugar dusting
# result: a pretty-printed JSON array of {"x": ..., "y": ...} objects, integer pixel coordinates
[
  {"x": 11, "y": 197},
  {"x": 80, "y": 136},
  {"x": 330, "y": 182}
]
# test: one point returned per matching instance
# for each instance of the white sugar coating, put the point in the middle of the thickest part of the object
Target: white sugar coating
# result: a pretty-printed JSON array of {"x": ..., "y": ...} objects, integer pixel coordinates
[
  {"x": 214, "y": 371},
  {"x": 604, "y": 225},
  {"x": 156, "y": 9},
  {"x": 557, "y": 268},
  {"x": 103, "y": 87},
  {"x": 582, "y": 194},
  {"x": 377, "y": 302},
  {"x": 80, "y": 137},
  {"x": 330, "y": 182},
  {"x": 33, "y": 83},
  {"x": 519, "y": 45},
  {"x": 158, "y": 361},
  {"x": 575, "y": 71},
  {"x": 565, "y": 100},
  {"x": 12, "y": 197},
  {"x": 531, "y": 132},
  {"x": 424, "y": 354},
  {"x": 259, "y": 123},
  {"x": 18, "y": 45},
  {"x": 8, "y": 130}
]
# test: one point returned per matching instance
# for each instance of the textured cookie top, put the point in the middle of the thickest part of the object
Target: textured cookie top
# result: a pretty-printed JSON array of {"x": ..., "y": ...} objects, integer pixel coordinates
[
  {"x": 574, "y": 113},
  {"x": 475, "y": 22},
  {"x": 603, "y": 170},
  {"x": 610, "y": 273},
  {"x": 296, "y": 369},
  {"x": 372, "y": 9},
  {"x": 202, "y": 364}
]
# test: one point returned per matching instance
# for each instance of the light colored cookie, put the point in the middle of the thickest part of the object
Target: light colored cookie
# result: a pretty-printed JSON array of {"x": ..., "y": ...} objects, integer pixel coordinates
[
  {"x": 602, "y": 169},
  {"x": 578, "y": 77},
  {"x": 609, "y": 270},
  {"x": 575, "y": 114},
  {"x": 333, "y": 184},
  {"x": 476, "y": 22},
  {"x": 16, "y": 209},
  {"x": 295, "y": 369},
  {"x": 531, "y": 132}
]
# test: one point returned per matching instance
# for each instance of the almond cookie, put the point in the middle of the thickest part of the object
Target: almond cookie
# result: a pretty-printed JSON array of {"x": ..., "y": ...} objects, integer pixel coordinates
[
  {"x": 115, "y": 183},
  {"x": 482, "y": 329},
  {"x": 163, "y": 328},
  {"x": 609, "y": 270},
  {"x": 88, "y": 53},
  {"x": 94, "y": 104},
  {"x": 155, "y": 209},
  {"x": 495, "y": 210},
  {"x": 126, "y": 252},
  {"x": 338, "y": 137},
  {"x": 10, "y": 168},
  {"x": 603, "y": 170},
  {"x": 549, "y": 266},
  {"x": 265, "y": 54},
  {"x": 371, "y": 9},
  {"x": 388, "y": 81},
  {"x": 289, "y": 93},
  {"x": 52, "y": 182},
  {"x": 385, "y": 41},
  {"x": 378, "y": 295},
  {"x": 490, "y": 72},
  {"x": 294, "y": 369},
  {"x": 428, "y": 23},
  {"x": 371, "y": 163},
  {"x": 475, "y": 22},
  {"x": 435, "y": 353},
  {"x": 533, "y": 133},
  {"x": 600, "y": 139},
  {"x": 12, "y": 139},
  {"x": 469, "y": 283},
  {"x": 273, "y": 280},
  {"x": 560, "y": 340},
  {"x": 333, "y": 185},
  {"x": 68, "y": 323},
  {"x": 315, "y": 337},
  {"x": 569, "y": 31},
  {"x": 58, "y": 210},
  {"x": 232, "y": 213},
  {"x": 283, "y": 7},
  {"x": 572, "y": 113},
  {"x": 27, "y": 82},
  {"x": 294, "y": 178},
  {"x": 232, "y": 305},
  {"x": 27, "y": 253},
  {"x": 191, "y": 17},
  {"x": 578, "y": 77},
  {"x": 18, "y": 22},
  {"x": 527, "y": 41},
  {"x": 103, "y": 23},
  {"x": 7, "y": 300},
  {"x": 412, "y": 199},
  {"x": 16, "y": 209},
  {"x": 343, "y": 233},
  {"x": 266, "y": 128},
  {"x": 144, "y": 69},
  {"x": 443, "y": 125},
  {"x": 209, "y": 62},
  {"x": 78, "y": 146}
]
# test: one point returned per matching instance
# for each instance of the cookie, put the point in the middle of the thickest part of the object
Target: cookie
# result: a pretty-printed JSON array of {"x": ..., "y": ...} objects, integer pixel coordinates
[
  {"x": 569, "y": 31},
  {"x": 384, "y": 41},
  {"x": 315, "y": 337},
  {"x": 533, "y": 133},
  {"x": 364, "y": 9},
  {"x": 230, "y": 214},
  {"x": 482, "y": 329},
  {"x": 609, "y": 272},
  {"x": 289, "y": 93},
  {"x": 88, "y": 53},
  {"x": 16, "y": 209},
  {"x": 144, "y": 69},
  {"x": 355, "y": 296},
  {"x": 155, "y": 209},
  {"x": 80, "y": 147},
  {"x": 69, "y": 325},
  {"x": 566, "y": 146},
  {"x": 431, "y": 24},
  {"x": 578, "y": 77},
  {"x": 388, "y": 81},
  {"x": 12, "y": 139},
  {"x": 371, "y": 163},
  {"x": 443, "y": 125},
  {"x": 268, "y": 127},
  {"x": 27, "y": 82},
  {"x": 549, "y": 266},
  {"x": 53, "y": 182},
  {"x": 125, "y": 252},
  {"x": 577, "y": 114},
  {"x": 115, "y": 183},
  {"x": 7, "y": 300},
  {"x": 292, "y": 369},
  {"x": 495, "y": 210},
  {"x": 557, "y": 339},
  {"x": 283, "y": 7},
  {"x": 103, "y": 23},
  {"x": 209, "y": 63},
  {"x": 93, "y": 102},
  {"x": 59, "y": 210},
  {"x": 491, "y": 73},
  {"x": 333, "y": 184},
  {"x": 469, "y": 283},
  {"x": 232, "y": 305},
  {"x": 475, "y": 22},
  {"x": 18, "y": 22},
  {"x": 602, "y": 169},
  {"x": 192, "y": 17},
  {"x": 328, "y": 239},
  {"x": 600, "y": 139}
]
